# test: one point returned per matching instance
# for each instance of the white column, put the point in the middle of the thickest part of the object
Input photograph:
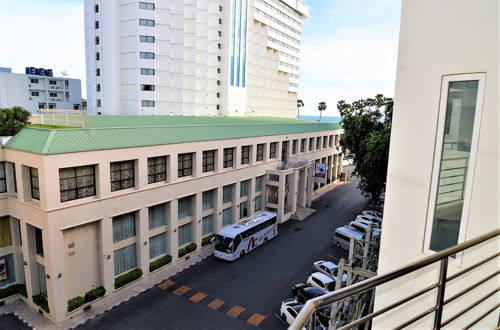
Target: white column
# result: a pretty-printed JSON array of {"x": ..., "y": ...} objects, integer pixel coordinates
[
  {"x": 142, "y": 224},
  {"x": 172, "y": 230},
  {"x": 196, "y": 223},
  {"x": 107, "y": 266}
]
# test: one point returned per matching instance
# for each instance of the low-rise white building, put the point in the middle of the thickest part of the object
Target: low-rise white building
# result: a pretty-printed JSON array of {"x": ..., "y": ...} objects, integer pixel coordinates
[{"x": 35, "y": 90}]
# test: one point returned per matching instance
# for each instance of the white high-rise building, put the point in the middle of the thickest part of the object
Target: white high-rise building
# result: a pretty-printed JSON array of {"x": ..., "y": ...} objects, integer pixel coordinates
[{"x": 193, "y": 57}]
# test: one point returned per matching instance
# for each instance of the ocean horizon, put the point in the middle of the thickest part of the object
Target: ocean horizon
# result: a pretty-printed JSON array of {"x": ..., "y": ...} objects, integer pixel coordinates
[{"x": 326, "y": 119}]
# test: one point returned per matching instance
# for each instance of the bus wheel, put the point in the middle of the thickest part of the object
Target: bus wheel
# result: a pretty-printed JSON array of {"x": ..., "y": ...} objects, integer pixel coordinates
[
  {"x": 265, "y": 240},
  {"x": 338, "y": 244},
  {"x": 242, "y": 253}
]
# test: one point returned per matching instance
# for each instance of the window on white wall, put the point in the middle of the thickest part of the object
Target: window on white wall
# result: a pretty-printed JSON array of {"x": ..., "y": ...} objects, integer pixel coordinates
[{"x": 457, "y": 137}]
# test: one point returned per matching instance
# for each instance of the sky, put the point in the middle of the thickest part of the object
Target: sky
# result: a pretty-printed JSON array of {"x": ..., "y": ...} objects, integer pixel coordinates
[{"x": 349, "y": 47}]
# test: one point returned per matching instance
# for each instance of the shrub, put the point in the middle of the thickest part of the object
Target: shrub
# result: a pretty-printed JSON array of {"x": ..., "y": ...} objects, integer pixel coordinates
[
  {"x": 158, "y": 263},
  {"x": 76, "y": 302},
  {"x": 127, "y": 278},
  {"x": 191, "y": 247},
  {"x": 41, "y": 301},
  {"x": 94, "y": 294},
  {"x": 182, "y": 252},
  {"x": 12, "y": 120},
  {"x": 207, "y": 240},
  {"x": 12, "y": 290}
]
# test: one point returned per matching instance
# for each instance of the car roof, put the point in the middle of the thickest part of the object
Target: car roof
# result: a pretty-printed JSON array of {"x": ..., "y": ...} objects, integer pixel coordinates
[
  {"x": 322, "y": 277},
  {"x": 327, "y": 264},
  {"x": 312, "y": 291},
  {"x": 349, "y": 232}
]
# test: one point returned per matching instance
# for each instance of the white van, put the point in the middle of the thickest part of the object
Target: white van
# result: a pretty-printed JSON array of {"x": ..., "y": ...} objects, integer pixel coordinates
[
  {"x": 362, "y": 227},
  {"x": 342, "y": 237}
]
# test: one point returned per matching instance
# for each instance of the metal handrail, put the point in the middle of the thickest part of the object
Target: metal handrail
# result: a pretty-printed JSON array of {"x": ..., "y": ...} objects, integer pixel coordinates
[{"x": 315, "y": 303}]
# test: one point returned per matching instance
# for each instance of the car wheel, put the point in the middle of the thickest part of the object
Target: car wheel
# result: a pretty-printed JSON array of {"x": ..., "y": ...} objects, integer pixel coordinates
[
  {"x": 337, "y": 244},
  {"x": 265, "y": 240},
  {"x": 283, "y": 317},
  {"x": 242, "y": 253}
]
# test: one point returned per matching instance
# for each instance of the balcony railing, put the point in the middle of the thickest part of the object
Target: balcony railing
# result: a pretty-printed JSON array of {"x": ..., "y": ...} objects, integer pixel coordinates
[{"x": 307, "y": 320}]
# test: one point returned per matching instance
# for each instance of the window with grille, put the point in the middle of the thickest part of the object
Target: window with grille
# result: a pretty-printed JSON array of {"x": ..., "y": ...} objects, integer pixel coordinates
[
  {"x": 3, "y": 181},
  {"x": 208, "y": 160},
  {"x": 228, "y": 157},
  {"x": 245, "y": 154},
  {"x": 77, "y": 182},
  {"x": 294, "y": 146},
  {"x": 157, "y": 169},
  {"x": 272, "y": 149},
  {"x": 35, "y": 187},
  {"x": 185, "y": 165},
  {"x": 122, "y": 175},
  {"x": 302, "y": 145},
  {"x": 260, "y": 152},
  {"x": 311, "y": 144}
]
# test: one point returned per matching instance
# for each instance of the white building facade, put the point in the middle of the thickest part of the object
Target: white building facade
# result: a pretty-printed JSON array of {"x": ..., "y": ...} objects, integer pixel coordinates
[
  {"x": 37, "y": 91},
  {"x": 239, "y": 57}
]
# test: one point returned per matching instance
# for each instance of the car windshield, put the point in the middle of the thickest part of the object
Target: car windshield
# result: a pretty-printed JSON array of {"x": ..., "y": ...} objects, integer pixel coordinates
[
  {"x": 330, "y": 286},
  {"x": 224, "y": 244},
  {"x": 335, "y": 272}
]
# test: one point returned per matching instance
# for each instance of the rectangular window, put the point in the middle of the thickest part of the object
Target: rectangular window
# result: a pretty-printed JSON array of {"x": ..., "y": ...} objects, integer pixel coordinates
[
  {"x": 325, "y": 141},
  {"x": 3, "y": 180},
  {"x": 38, "y": 241},
  {"x": 227, "y": 194},
  {"x": 149, "y": 39},
  {"x": 294, "y": 146},
  {"x": 35, "y": 188},
  {"x": 302, "y": 145},
  {"x": 42, "y": 284},
  {"x": 148, "y": 103},
  {"x": 147, "y": 88},
  {"x": 35, "y": 93},
  {"x": 34, "y": 81},
  {"x": 97, "y": 40},
  {"x": 10, "y": 271},
  {"x": 157, "y": 245},
  {"x": 14, "y": 175},
  {"x": 99, "y": 103},
  {"x": 122, "y": 175},
  {"x": 185, "y": 234},
  {"x": 227, "y": 216},
  {"x": 272, "y": 149},
  {"x": 260, "y": 152},
  {"x": 185, "y": 207},
  {"x": 185, "y": 164},
  {"x": 258, "y": 203},
  {"x": 123, "y": 227},
  {"x": 98, "y": 72},
  {"x": 52, "y": 94},
  {"x": 52, "y": 82},
  {"x": 330, "y": 141},
  {"x": 157, "y": 216},
  {"x": 259, "y": 182},
  {"x": 76, "y": 182},
  {"x": 98, "y": 87},
  {"x": 208, "y": 161},
  {"x": 97, "y": 56},
  {"x": 318, "y": 142},
  {"x": 5, "y": 237},
  {"x": 125, "y": 259},
  {"x": 146, "y": 5},
  {"x": 244, "y": 188},
  {"x": 208, "y": 200},
  {"x": 207, "y": 225},
  {"x": 96, "y": 8},
  {"x": 311, "y": 143},
  {"x": 146, "y": 22},
  {"x": 243, "y": 210},
  {"x": 157, "y": 169},
  {"x": 147, "y": 72},
  {"x": 458, "y": 130},
  {"x": 245, "y": 154},
  {"x": 228, "y": 157},
  {"x": 96, "y": 24},
  {"x": 147, "y": 55}
]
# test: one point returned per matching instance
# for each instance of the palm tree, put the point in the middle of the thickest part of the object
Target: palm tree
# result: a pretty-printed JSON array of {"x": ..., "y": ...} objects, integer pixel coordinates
[
  {"x": 300, "y": 104},
  {"x": 321, "y": 108}
]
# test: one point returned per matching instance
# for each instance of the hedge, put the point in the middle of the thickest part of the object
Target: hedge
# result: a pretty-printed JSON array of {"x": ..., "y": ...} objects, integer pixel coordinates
[
  {"x": 207, "y": 240},
  {"x": 127, "y": 278},
  {"x": 182, "y": 252},
  {"x": 191, "y": 247},
  {"x": 76, "y": 302},
  {"x": 12, "y": 290},
  {"x": 158, "y": 263},
  {"x": 91, "y": 295},
  {"x": 41, "y": 301}
]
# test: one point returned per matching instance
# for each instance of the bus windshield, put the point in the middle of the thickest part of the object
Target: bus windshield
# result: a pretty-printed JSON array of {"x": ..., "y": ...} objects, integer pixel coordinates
[{"x": 223, "y": 244}]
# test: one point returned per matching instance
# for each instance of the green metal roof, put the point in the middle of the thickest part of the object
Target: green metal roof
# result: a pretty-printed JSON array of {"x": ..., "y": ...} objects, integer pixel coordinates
[{"x": 116, "y": 132}]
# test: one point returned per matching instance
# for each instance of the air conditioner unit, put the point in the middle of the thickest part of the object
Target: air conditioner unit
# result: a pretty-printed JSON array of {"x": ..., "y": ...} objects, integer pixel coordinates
[{"x": 30, "y": 98}]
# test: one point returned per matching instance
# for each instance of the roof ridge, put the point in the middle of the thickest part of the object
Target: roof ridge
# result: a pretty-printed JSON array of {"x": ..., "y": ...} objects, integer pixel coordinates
[{"x": 49, "y": 139}]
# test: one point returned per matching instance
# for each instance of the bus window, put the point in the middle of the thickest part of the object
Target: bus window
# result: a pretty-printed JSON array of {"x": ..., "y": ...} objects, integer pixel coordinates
[
  {"x": 223, "y": 244},
  {"x": 237, "y": 241}
]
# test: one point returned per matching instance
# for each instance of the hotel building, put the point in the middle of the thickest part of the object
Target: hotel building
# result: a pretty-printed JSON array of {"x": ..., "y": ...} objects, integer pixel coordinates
[
  {"x": 180, "y": 57},
  {"x": 125, "y": 194}
]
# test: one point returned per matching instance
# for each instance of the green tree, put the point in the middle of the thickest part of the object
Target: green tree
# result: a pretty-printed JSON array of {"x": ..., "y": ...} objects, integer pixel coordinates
[
  {"x": 300, "y": 104},
  {"x": 367, "y": 131},
  {"x": 12, "y": 120},
  {"x": 321, "y": 108}
]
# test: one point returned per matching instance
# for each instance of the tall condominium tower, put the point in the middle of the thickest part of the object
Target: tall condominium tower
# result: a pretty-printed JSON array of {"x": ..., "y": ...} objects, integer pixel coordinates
[{"x": 193, "y": 57}]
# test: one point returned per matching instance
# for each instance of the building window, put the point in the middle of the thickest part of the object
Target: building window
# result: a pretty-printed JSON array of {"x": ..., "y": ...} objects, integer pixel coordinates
[
  {"x": 122, "y": 175},
  {"x": 259, "y": 181},
  {"x": 148, "y": 103},
  {"x": 318, "y": 142},
  {"x": 157, "y": 216},
  {"x": 34, "y": 81},
  {"x": 99, "y": 103},
  {"x": 219, "y": 45},
  {"x": 5, "y": 237},
  {"x": 98, "y": 72},
  {"x": 96, "y": 8},
  {"x": 245, "y": 154},
  {"x": 149, "y": 39},
  {"x": 294, "y": 146},
  {"x": 227, "y": 194},
  {"x": 330, "y": 141},
  {"x": 98, "y": 87},
  {"x": 258, "y": 203},
  {"x": 243, "y": 210},
  {"x": 147, "y": 55},
  {"x": 52, "y": 82},
  {"x": 220, "y": 8},
  {"x": 244, "y": 188},
  {"x": 260, "y": 152},
  {"x": 311, "y": 143},
  {"x": 227, "y": 216},
  {"x": 302, "y": 145},
  {"x": 157, "y": 169},
  {"x": 220, "y": 34},
  {"x": 272, "y": 149},
  {"x": 218, "y": 94},
  {"x": 157, "y": 245},
  {"x": 218, "y": 107},
  {"x": 146, "y": 22},
  {"x": 458, "y": 135},
  {"x": 208, "y": 198},
  {"x": 96, "y": 24},
  {"x": 125, "y": 259},
  {"x": 14, "y": 176},
  {"x": 35, "y": 188},
  {"x": 208, "y": 160},
  {"x": 52, "y": 94},
  {"x": 218, "y": 58},
  {"x": 38, "y": 241},
  {"x": 35, "y": 93},
  {"x": 76, "y": 182},
  {"x": 147, "y": 88},
  {"x": 185, "y": 207},
  {"x": 185, "y": 234},
  {"x": 185, "y": 165},
  {"x": 228, "y": 157},
  {"x": 42, "y": 284},
  {"x": 207, "y": 225},
  {"x": 97, "y": 40},
  {"x": 147, "y": 72},
  {"x": 325, "y": 141},
  {"x": 97, "y": 56},
  {"x": 146, "y": 5},
  {"x": 218, "y": 82},
  {"x": 123, "y": 227},
  {"x": 220, "y": 21}
]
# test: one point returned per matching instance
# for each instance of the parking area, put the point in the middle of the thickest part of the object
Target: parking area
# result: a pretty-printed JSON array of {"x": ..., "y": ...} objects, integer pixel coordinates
[{"x": 246, "y": 293}]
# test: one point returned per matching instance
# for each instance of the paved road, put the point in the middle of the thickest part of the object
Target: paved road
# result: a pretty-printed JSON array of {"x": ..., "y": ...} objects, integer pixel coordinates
[
  {"x": 256, "y": 284},
  {"x": 11, "y": 322}
]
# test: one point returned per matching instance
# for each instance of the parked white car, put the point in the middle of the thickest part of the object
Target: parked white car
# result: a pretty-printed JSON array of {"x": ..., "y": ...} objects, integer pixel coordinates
[
  {"x": 370, "y": 218},
  {"x": 289, "y": 310},
  {"x": 321, "y": 282},
  {"x": 348, "y": 160},
  {"x": 329, "y": 268},
  {"x": 373, "y": 213},
  {"x": 362, "y": 227}
]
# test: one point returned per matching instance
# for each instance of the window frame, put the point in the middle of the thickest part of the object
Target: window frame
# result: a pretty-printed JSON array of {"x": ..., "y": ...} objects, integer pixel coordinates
[
  {"x": 77, "y": 188},
  {"x": 121, "y": 179},
  {"x": 245, "y": 155},
  {"x": 183, "y": 169},
  {"x": 260, "y": 152},
  {"x": 146, "y": 5},
  {"x": 205, "y": 158},
  {"x": 225, "y": 160},
  {"x": 147, "y": 22},
  {"x": 155, "y": 173},
  {"x": 32, "y": 187},
  {"x": 438, "y": 151},
  {"x": 273, "y": 146},
  {"x": 4, "y": 178}
]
